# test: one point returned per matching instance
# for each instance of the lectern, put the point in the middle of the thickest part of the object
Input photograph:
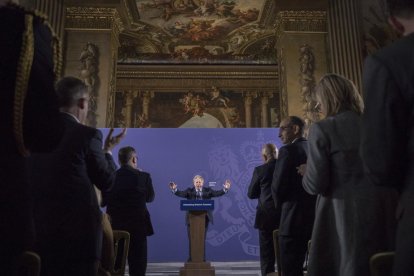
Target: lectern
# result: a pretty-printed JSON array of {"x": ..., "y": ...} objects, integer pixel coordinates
[{"x": 197, "y": 212}]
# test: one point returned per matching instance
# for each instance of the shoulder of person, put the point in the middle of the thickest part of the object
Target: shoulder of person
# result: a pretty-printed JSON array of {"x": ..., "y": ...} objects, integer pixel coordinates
[
  {"x": 399, "y": 48},
  {"x": 396, "y": 54},
  {"x": 322, "y": 123},
  {"x": 91, "y": 131},
  {"x": 134, "y": 171},
  {"x": 269, "y": 164},
  {"x": 143, "y": 174},
  {"x": 263, "y": 166}
]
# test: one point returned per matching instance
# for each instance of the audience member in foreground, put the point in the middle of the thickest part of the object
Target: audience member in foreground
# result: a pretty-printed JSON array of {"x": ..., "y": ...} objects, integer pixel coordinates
[
  {"x": 30, "y": 62},
  {"x": 67, "y": 215},
  {"x": 387, "y": 145},
  {"x": 354, "y": 219}
]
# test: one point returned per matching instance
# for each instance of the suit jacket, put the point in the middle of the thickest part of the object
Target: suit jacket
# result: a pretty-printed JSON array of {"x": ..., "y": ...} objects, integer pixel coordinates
[
  {"x": 207, "y": 193},
  {"x": 267, "y": 216},
  {"x": 66, "y": 206},
  {"x": 126, "y": 201},
  {"x": 41, "y": 128},
  {"x": 352, "y": 221},
  {"x": 387, "y": 138},
  {"x": 297, "y": 206}
]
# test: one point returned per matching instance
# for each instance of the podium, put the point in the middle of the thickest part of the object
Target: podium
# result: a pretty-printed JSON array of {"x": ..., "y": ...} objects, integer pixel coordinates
[{"x": 197, "y": 212}]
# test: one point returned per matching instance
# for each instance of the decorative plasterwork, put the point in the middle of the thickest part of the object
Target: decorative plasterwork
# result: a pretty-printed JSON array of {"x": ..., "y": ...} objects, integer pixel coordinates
[
  {"x": 307, "y": 84},
  {"x": 110, "y": 109},
  {"x": 283, "y": 85},
  {"x": 301, "y": 21},
  {"x": 89, "y": 69},
  {"x": 93, "y": 18},
  {"x": 189, "y": 75}
]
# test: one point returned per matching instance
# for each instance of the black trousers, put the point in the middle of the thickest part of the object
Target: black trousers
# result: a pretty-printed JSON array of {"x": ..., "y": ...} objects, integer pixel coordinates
[
  {"x": 267, "y": 253},
  {"x": 137, "y": 256},
  {"x": 292, "y": 254}
]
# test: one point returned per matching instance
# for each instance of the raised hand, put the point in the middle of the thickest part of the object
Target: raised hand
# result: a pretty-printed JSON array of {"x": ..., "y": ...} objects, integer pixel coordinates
[
  {"x": 301, "y": 169},
  {"x": 173, "y": 186},
  {"x": 111, "y": 142},
  {"x": 227, "y": 184}
]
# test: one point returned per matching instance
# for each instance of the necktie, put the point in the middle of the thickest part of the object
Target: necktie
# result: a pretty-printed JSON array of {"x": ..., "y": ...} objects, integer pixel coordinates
[{"x": 198, "y": 194}]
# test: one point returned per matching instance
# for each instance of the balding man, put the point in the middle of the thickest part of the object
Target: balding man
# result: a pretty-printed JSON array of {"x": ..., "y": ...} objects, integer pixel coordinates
[{"x": 267, "y": 216}]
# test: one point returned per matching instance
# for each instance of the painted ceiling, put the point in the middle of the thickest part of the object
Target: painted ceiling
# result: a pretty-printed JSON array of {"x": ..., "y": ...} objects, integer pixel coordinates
[{"x": 199, "y": 31}]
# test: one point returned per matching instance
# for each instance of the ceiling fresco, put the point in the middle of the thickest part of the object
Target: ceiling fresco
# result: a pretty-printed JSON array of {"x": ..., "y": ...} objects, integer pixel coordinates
[{"x": 199, "y": 31}]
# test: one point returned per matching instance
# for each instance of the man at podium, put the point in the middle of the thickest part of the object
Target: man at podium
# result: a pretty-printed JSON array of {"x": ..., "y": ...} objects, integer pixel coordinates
[{"x": 198, "y": 192}]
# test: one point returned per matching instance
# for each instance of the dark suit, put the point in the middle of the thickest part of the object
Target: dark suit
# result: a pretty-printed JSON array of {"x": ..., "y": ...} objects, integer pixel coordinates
[
  {"x": 67, "y": 214},
  {"x": 297, "y": 207},
  {"x": 387, "y": 141},
  {"x": 267, "y": 217},
  {"x": 127, "y": 208},
  {"x": 41, "y": 131},
  {"x": 207, "y": 193}
]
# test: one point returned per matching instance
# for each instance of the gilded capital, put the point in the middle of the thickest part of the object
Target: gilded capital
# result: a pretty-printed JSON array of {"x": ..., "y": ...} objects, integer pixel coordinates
[{"x": 93, "y": 18}]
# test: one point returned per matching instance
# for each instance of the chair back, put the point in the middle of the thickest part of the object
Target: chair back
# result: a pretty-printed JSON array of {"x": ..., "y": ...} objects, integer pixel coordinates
[
  {"x": 381, "y": 264},
  {"x": 29, "y": 264},
  {"x": 277, "y": 251},
  {"x": 121, "y": 248}
]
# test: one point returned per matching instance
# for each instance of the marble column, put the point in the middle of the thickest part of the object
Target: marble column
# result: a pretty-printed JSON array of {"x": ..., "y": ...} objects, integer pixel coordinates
[
  {"x": 146, "y": 99},
  {"x": 129, "y": 100},
  {"x": 264, "y": 108},
  {"x": 248, "y": 100},
  {"x": 344, "y": 38}
]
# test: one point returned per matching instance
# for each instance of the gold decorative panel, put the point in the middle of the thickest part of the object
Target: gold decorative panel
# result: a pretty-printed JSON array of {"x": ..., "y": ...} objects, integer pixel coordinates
[{"x": 196, "y": 98}]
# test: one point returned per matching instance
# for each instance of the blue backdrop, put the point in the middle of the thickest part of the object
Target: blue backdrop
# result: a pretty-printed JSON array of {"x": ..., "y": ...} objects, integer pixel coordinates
[{"x": 216, "y": 154}]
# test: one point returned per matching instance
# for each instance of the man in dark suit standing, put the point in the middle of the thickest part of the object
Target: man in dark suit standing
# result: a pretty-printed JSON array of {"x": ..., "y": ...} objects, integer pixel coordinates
[
  {"x": 67, "y": 214},
  {"x": 387, "y": 142},
  {"x": 297, "y": 206},
  {"x": 126, "y": 205},
  {"x": 267, "y": 216},
  {"x": 28, "y": 121},
  {"x": 199, "y": 192}
]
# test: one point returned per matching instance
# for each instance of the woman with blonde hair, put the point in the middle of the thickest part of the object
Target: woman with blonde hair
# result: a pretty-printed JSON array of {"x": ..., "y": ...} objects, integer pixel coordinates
[{"x": 354, "y": 219}]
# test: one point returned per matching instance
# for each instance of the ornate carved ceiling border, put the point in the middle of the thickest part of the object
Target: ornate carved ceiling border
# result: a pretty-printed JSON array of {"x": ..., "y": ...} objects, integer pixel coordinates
[
  {"x": 178, "y": 75},
  {"x": 301, "y": 21},
  {"x": 93, "y": 18}
]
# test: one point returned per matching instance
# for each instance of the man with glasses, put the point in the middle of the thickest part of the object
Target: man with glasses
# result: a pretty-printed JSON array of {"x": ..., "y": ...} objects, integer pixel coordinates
[{"x": 297, "y": 206}]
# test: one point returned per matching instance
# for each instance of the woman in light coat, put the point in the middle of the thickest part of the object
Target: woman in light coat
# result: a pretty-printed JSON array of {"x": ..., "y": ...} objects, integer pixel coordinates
[{"x": 354, "y": 219}]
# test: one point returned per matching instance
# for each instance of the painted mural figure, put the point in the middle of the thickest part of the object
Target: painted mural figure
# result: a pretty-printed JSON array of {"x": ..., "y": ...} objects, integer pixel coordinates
[
  {"x": 217, "y": 99},
  {"x": 198, "y": 192}
]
